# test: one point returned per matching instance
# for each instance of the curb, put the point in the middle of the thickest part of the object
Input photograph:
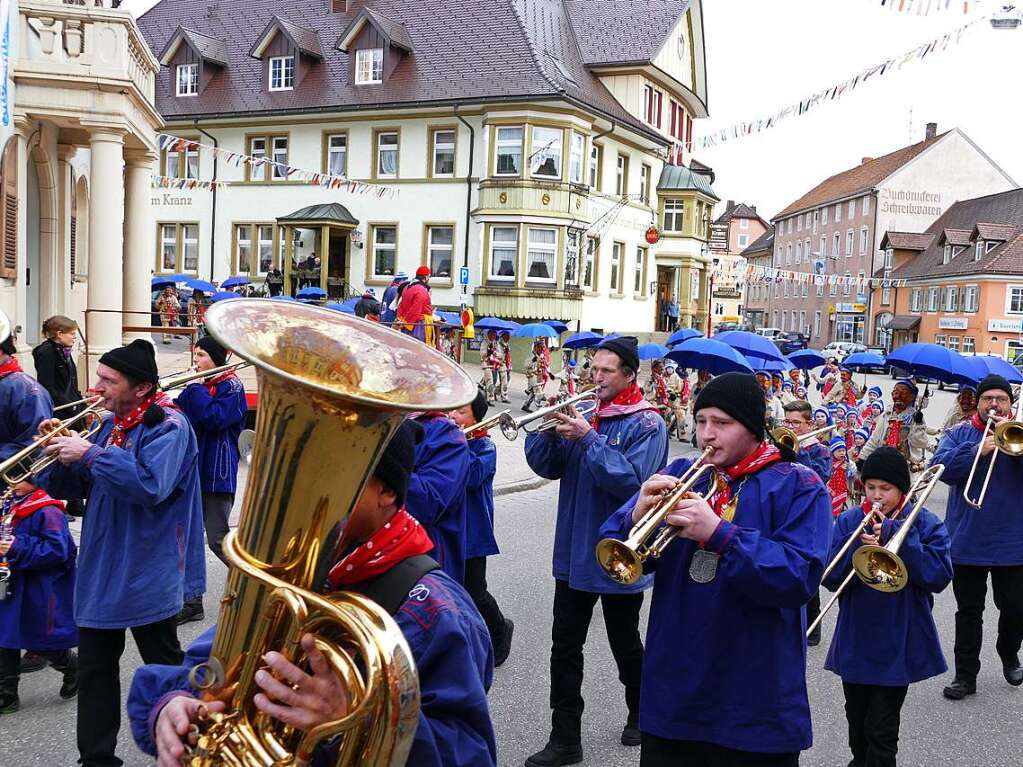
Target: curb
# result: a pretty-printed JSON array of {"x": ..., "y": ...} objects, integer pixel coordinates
[{"x": 521, "y": 487}]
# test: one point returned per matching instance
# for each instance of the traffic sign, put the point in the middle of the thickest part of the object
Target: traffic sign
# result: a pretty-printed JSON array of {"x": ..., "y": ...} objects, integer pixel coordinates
[{"x": 463, "y": 275}]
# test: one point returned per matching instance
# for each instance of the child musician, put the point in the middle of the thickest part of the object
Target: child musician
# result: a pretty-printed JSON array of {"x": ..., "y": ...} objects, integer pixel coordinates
[
  {"x": 884, "y": 642},
  {"x": 838, "y": 484},
  {"x": 37, "y": 568}
]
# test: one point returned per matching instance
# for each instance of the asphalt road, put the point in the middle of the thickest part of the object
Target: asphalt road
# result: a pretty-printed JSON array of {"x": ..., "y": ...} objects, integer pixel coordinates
[{"x": 983, "y": 731}]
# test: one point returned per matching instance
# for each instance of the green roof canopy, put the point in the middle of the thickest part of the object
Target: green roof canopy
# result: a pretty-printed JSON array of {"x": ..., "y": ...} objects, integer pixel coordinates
[{"x": 329, "y": 213}]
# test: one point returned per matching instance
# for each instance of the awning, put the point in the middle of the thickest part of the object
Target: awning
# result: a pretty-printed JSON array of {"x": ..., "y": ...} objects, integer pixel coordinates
[
  {"x": 328, "y": 213},
  {"x": 903, "y": 322}
]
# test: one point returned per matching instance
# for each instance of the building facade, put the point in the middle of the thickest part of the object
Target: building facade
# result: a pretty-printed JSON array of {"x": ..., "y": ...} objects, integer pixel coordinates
[
  {"x": 835, "y": 230},
  {"x": 731, "y": 233},
  {"x": 538, "y": 159},
  {"x": 758, "y": 289},
  {"x": 964, "y": 280}
]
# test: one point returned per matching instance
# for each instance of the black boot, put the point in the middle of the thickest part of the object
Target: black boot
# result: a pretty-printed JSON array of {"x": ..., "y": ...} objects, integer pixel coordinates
[
  {"x": 69, "y": 669},
  {"x": 630, "y": 735},
  {"x": 960, "y": 688},
  {"x": 32, "y": 661},
  {"x": 554, "y": 755},
  {"x": 503, "y": 648},
  {"x": 9, "y": 702},
  {"x": 1012, "y": 671},
  {"x": 191, "y": 611}
]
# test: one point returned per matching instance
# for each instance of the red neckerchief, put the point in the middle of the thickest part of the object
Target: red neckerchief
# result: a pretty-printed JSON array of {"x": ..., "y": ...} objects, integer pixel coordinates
[
  {"x": 894, "y": 436},
  {"x": 123, "y": 425},
  {"x": 977, "y": 423},
  {"x": 849, "y": 438},
  {"x": 660, "y": 389},
  {"x": 32, "y": 503},
  {"x": 850, "y": 394},
  {"x": 11, "y": 366},
  {"x": 211, "y": 384},
  {"x": 399, "y": 539},
  {"x": 764, "y": 455},
  {"x": 838, "y": 484},
  {"x": 628, "y": 397}
]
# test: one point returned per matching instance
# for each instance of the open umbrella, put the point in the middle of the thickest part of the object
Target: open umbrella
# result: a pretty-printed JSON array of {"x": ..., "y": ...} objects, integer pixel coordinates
[
  {"x": 238, "y": 279},
  {"x": 493, "y": 323},
  {"x": 976, "y": 368},
  {"x": 558, "y": 325},
  {"x": 761, "y": 365},
  {"x": 344, "y": 308},
  {"x": 863, "y": 361},
  {"x": 928, "y": 361},
  {"x": 749, "y": 344},
  {"x": 708, "y": 354},
  {"x": 807, "y": 359},
  {"x": 311, "y": 292},
  {"x": 682, "y": 335},
  {"x": 223, "y": 295},
  {"x": 203, "y": 285},
  {"x": 653, "y": 352},
  {"x": 584, "y": 339},
  {"x": 159, "y": 283},
  {"x": 536, "y": 330},
  {"x": 449, "y": 318}
]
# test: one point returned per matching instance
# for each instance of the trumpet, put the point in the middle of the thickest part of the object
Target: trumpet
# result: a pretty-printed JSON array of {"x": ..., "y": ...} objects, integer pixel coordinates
[
  {"x": 791, "y": 440},
  {"x": 485, "y": 424},
  {"x": 92, "y": 425},
  {"x": 1008, "y": 440},
  {"x": 623, "y": 560},
  {"x": 510, "y": 427},
  {"x": 188, "y": 376},
  {"x": 880, "y": 567}
]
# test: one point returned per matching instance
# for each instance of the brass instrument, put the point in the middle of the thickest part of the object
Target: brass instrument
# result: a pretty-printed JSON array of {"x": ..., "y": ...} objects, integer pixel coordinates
[
  {"x": 90, "y": 416},
  {"x": 94, "y": 399},
  {"x": 1008, "y": 440},
  {"x": 785, "y": 436},
  {"x": 333, "y": 389},
  {"x": 188, "y": 376},
  {"x": 880, "y": 567},
  {"x": 623, "y": 560},
  {"x": 510, "y": 427},
  {"x": 486, "y": 423}
]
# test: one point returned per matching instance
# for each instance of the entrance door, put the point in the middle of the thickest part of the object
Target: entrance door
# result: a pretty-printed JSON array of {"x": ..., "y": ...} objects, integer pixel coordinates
[
  {"x": 337, "y": 265},
  {"x": 665, "y": 276}
]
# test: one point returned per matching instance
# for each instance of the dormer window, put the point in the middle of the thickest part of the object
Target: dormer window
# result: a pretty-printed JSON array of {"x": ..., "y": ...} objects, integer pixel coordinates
[
  {"x": 369, "y": 66},
  {"x": 288, "y": 52},
  {"x": 979, "y": 250},
  {"x": 192, "y": 60},
  {"x": 188, "y": 80},
  {"x": 282, "y": 73}
]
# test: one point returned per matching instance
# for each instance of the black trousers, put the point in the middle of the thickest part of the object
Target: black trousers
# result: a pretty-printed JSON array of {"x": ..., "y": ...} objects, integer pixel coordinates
[
  {"x": 99, "y": 683},
  {"x": 216, "y": 510},
  {"x": 663, "y": 752},
  {"x": 476, "y": 585},
  {"x": 10, "y": 665},
  {"x": 813, "y": 610},
  {"x": 573, "y": 611},
  {"x": 874, "y": 714},
  {"x": 969, "y": 583}
]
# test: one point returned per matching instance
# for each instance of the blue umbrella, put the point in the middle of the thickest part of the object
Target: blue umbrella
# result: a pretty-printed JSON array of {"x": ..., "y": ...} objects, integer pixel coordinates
[
  {"x": 159, "y": 283},
  {"x": 558, "y": 325},
  {"x": 450, "y": 318},
  {"x": 682, "y": 335},
  {"x": 749, "y": 344},
  {"x": 584, "y": 339},
  {"x": 708, "y": 354},
  {"x": 928, "y": 361},
  {"x": 203, "y": 285},
  {"x": 311, "y": 292},
  {"x": 223, "y": 295},
  {"x": 282, "y": 297},
  {"x": 238, "y": 279},
  {"x": 536, "y": 330},
  {"x": 863, "y": 361},
  {"x": 493, "y": 323},
  {"x": 807, "y": 359},
  {"x": 653, "y": 352},
  {"x": 761, "y": 365},
  {"x": 345, "y": 308},
  {"x": 976, "y": 368}
]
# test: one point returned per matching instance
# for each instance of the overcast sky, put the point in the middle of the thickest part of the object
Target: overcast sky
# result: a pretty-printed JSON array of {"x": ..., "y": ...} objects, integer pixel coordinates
[{"x": 762, "y": 56}]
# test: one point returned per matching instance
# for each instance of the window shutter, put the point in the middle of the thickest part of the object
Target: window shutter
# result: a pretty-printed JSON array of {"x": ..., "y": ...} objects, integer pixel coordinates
[
  {"x": 9, "y": 265},
  {"x": 74, "y": 247}
]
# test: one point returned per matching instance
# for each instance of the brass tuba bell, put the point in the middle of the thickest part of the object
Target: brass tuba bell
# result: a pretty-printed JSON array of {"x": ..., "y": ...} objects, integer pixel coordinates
[{"x": 333, "y": 389}]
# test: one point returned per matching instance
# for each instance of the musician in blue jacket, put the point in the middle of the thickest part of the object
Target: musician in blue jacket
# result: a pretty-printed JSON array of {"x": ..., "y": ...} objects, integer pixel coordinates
[
  {"x": 479, "y": 524},
  {"x": 216, "y": 408},
  {"x": 813, "y": 453},
  {"x": 985, "y": 541},
  {"x": 447, "y": 637},
  {"x": 141, "y": 545},
  {"x": 884, "y": 642},
  {"x": 724, "y": 678},
  {"x": 436, "y": 491},
  {"x": 600, "y": 461}
]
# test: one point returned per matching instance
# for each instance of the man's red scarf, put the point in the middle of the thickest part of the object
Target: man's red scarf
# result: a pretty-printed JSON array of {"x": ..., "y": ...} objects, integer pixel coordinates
[
  {"x": 32, "y": 503},
  {"x": 123, "y": 425},
  {"x": 977, "y": 423},
  {"x": 660, "y": 389},
  {"x": 11, "y": 366},
  {"x": 838, "y": 484},
  {"x": 399, "y": 539},
  {"x": 629, "y": 400},
  {"x": 764, "y": 455},
  {"x": 213, "y": 383}
]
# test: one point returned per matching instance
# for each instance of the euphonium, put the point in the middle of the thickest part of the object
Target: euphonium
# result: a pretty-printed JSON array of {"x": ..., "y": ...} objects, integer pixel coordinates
[{"x": 333, "y": 389}]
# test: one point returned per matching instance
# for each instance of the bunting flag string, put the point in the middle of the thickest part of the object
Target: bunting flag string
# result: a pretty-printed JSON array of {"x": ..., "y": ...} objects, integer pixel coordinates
[
  {"x": 768, "y": 275},
  {"x": 267, "y": 166},
  {"x": 927, "y": 7}
]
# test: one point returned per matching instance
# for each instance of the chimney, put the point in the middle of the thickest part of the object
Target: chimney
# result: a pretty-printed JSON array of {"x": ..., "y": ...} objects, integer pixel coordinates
[
  {"x": 865, "y": 160},
  {"x": 729, "y": 205},
  {"x": 339, "y": 6},
  {"x": 932, "y": 130}
]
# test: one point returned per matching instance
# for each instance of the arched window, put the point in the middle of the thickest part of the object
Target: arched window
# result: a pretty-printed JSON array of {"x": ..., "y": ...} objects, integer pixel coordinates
[{"x": 9, "y": 210}]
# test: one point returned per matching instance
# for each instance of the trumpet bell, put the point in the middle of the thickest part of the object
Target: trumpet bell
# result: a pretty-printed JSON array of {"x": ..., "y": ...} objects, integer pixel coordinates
[
  {"x": 786, "y": 437},
  {"x": 620, "y": 562},
  {"x": 880, "y": 568},
  {"x": 508, "y": 427},
  {"x": 1009, "y": 438}
]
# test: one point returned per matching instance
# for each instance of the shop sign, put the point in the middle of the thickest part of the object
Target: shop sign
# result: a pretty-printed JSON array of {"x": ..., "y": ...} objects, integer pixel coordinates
[
  {"x": 952, "y": 323},
  {"x": 1005, "y": 326}
]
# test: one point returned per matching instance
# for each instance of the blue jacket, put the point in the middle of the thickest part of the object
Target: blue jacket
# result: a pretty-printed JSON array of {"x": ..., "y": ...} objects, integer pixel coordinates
[
  {"x": 725, "y": 661},
  {"x": 37, "y": 612},
  {"x": 992, "y": 535},
  {"x": 479, "y": 499},
  {"x": 23, "y": 404},
  {"x": 142, "y": 534},
  {"x": 436, "y": 491},
  {"x": 818, "y": 458},
  {"x": 387, "y": 314},
  {"x": 217, "y": 421},
  {"x": 598, "y": 473},
  {"x": 890, "y": 639},
  {"x": 453, "y": 656}
]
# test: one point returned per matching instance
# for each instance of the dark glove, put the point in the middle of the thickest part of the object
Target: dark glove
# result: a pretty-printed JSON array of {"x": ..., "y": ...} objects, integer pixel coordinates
[
  {"x": 918, "y": 417},
  {"x": 859, "y": 465}
]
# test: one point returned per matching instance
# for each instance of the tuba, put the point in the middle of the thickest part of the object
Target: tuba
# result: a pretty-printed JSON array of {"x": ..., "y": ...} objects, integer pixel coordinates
[{"x": 333, "y": 389}]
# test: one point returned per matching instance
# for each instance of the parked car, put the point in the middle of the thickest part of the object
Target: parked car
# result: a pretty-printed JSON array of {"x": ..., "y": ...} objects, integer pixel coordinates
[
  {"x": 723, "y": 327},
  {"x": 881, "y": 352},
  {"x": 769, "y": 332},
  {"x": 790, "y": 342},
  {"x": 841, "y": 349}
]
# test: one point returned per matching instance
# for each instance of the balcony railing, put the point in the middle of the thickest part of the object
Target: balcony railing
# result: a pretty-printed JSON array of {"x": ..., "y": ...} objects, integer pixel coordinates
[{"x": 514, "y": 195}]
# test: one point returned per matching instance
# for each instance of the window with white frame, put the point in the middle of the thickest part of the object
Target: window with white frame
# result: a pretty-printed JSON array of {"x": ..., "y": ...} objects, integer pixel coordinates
[
  {"x": 969, "y": 345},
  {"x": 799, "y": 222},
  {"x": 637, "y": 282},
  {"x": 674, "y": 215},
  {"x": 546, "y": 158},
  {"x": 595, "y": 156},
  {"x": 816, "y": 218},
  {"x": 971, "y": 298},
  {"x": 575, "y": 159},
  {"x": 541, "y": 254},
  {"x": 644, "y": 188},
  {"x": 990, "y": 246},
  {"x": 799, "y": 252},
  {"x": 852, "y": 209},
  {"x": 824, "y": 216},
  {"x": 889, "y": 254},
  {"x": 940, "y": 339},
  {"x": 441, "y": 245},
  {"x": 616, "y": 267},
  {"x": 590, "y": 263},
  {"x": 866, "y": 205},
  {"x": 178, "y": 248},
  {"x": 932, "y": 299},
  {"x": 387, "y": 154},
  {"x": 806, "y": 249},
  {"x": 243, "y": 249},
  {"x": 1014, "y": 299},
  {"x": 849, "y": 243},
  {"x": 846, "y": 283},
  {"x": 188, "y": 80},
  {"x": 504, "y": 252},
  {"x": 572, "y": 258},
  {"x": 836, "y": 245},
  {"x": 444, "y": 153},
  {"x": 257, "y": 150},
  {"x": 369, "y": 66},
  {"x": 886, "y": 288},
  {"x": 863, "y": 237},
  {"x": 820, "y": 289},
  {"x": 743, "y": 240},
  {"x": 916, "y": 300},
  {"x": 168, "y": 248},
  {"x": 816, "y": 324},
  {"x": 953, "y": 343},
  {"x": 791, "y": 222},
  {"x": 823, "y": 247},
  {"x": 509, "y": 151},
  {"x": 785, "y": 289},
  {"x": 337, "y": 154},
  {"x": 952, "y": 299},
  {"x": 282, "y": 73},
  {"x": 804, "y": 290},
  {"x": 978, "y": 250},
  {"x": 279, "y": 148},
  {"x": 802, "y": 322},
  {"x": 265, "y": 232},
  {"x": 385, "y": 250},
  {"x": 833, "y": 288},
  {"x": 788, "y": 254},
  {"x": 744, "y": 223},
  {"x": 838, "y": 212},
  {"x": 622, "y": 177},
  {"x": 183, "y": 160}
]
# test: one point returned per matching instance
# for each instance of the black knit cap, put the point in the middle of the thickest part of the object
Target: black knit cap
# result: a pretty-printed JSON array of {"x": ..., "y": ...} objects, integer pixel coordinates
[
  {"x": 739, "y": 395},
  {"x": 480, "y": 406},
  {"x": 399, "y": 459},
  {"x": 888, "y": 465},
  {"x": 217, "y": 352},
  {"x": 626, "y": 347},
  {"x": 994, "y": 382},
  {"x": 137, "y": 359}
]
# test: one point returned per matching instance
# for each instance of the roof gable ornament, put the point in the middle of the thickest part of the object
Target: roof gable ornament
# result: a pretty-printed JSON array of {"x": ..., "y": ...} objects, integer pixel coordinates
[
  {"x": 209, "y": 49},
  {"x": 395, "y": 33},
  {"x": 306, "y": 41}
]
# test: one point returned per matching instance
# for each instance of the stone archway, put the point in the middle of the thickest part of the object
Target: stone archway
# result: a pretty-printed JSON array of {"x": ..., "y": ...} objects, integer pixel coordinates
[{"x": 43, "y": 247}]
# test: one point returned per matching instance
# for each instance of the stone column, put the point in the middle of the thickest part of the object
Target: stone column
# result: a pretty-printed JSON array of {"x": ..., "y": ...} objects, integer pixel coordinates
[
  {"x": 106, "y": 241},
  {"x": 139, "y": 239},
  {"x": 65, "y": 198}
]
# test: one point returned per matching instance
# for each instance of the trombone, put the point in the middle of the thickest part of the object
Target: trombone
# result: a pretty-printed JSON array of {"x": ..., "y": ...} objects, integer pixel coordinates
[
  {"x": 623, "y": 560},
  {"x": 93, "y": 424},
  {"x": 1008, "y": 440},
  {"x": 485, "y": 424},
  {"x": 880, "y": 567},
  {"x": 510, "y": 427},
  {"x": 791, "y": 440}
]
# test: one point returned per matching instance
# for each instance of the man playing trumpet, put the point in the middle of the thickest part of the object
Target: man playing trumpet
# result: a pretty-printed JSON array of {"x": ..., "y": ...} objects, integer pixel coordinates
[{"x": 725, "y": 666}]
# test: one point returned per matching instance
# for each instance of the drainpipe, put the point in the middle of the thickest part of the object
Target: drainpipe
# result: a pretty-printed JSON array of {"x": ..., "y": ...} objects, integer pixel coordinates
[
  {"x": 213, "y": 222},
  {"x": 468, "y": 184}
]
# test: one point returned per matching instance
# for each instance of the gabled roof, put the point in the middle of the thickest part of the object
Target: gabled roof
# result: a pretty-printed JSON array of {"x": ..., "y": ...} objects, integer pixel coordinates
[
  {"x": 740, "y": 210},
  {"x": 207, "y": 48},
  {"x": 993, "y": 232},
  {"x": 393, "y": 31},
  {"x": 616, "y": 32},
  {"x": 306, "y": 40},
  {"x": 857, "y": 180},
  {"x": 679, "y": 178},
  {"x": 906, "y": 241},
  {"x": 955, "y": 237},
  {"x": 762, "y": 244},
  {"x": 328, "y": 213}
]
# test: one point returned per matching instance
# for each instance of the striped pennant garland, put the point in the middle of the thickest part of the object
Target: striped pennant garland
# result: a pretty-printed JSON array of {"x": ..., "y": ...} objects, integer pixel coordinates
[{"x": 769, "y": 274}]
